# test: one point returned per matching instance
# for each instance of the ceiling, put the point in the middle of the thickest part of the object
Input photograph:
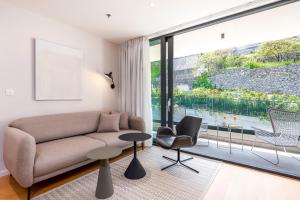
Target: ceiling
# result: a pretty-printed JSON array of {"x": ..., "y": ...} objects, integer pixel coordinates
[{"x": 130, "y": 18}]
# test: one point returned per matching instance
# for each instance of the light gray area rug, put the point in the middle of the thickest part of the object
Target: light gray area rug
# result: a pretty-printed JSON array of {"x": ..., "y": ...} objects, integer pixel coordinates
[{"x": 175, "y": 183}]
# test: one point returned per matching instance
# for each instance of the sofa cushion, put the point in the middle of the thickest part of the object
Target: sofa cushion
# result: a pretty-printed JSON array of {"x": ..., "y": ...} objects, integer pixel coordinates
[
  {"x": 109, "y": 123},
  {"x": 124, "y": 120},
  {"x": 51, "y": 127},
  {"x": 58, "y": 154},
  {"x": 112, "y": 138},
  {"x": 124, "y": 125}
]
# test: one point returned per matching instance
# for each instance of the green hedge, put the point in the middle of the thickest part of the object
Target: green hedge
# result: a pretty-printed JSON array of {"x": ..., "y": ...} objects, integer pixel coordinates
[{"x": 239, "y": 102}]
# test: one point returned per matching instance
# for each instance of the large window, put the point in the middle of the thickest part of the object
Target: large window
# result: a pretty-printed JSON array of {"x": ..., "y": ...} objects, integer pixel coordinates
[{"x": 237, "y": 69}]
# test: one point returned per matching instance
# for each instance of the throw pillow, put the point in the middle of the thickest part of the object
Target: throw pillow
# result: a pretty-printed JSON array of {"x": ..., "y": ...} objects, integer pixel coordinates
[
  {"x": 124, "y": 124},
  {"x": 109, "y": 123},
  {"x": 124, "y": 121}
]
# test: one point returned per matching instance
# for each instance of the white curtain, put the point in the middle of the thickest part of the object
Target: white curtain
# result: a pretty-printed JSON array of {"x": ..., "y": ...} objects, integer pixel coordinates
[{"x": 135, "y": 80}]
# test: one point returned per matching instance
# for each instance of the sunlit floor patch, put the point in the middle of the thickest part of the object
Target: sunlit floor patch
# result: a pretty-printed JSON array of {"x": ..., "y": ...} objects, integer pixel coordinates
[{"x": 288, "y": 165}]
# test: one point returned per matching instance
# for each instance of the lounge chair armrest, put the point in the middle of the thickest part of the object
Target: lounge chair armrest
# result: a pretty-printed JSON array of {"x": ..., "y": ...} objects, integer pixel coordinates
[
  {"x": 259, "y": 129},
  {"x": 182, "y": 141},
  {"x": 19, "y": 154},
  {"x": 165, "y": 131},
  {"x": 137, "y": 123},
  {"x": 204, "y": 126}
]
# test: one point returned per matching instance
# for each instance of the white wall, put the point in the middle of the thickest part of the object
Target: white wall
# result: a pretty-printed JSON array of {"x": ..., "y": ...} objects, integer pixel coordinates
[{"x": 18, "y": 28}]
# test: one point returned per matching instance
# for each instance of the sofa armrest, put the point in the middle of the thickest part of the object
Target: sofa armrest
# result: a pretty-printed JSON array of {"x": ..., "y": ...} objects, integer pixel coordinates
[
  {"x": 19, "y": 154},
  {"x": 137, "y": 123}
]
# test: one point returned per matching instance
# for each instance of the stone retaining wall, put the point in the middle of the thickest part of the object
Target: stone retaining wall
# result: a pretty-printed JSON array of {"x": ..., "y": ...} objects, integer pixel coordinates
[{"x": 283, "y": 80}]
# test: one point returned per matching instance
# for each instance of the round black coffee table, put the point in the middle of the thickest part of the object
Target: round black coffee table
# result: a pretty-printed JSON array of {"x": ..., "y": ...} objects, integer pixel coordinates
[
  {"x": 135, "y": 169},
  {"x": 105, "y": 187}
]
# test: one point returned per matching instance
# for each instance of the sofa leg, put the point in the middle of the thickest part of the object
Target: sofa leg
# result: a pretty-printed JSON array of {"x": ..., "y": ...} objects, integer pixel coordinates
[
  {"x": 143, "y": 145},
  {"x": 28, "y": 193}
]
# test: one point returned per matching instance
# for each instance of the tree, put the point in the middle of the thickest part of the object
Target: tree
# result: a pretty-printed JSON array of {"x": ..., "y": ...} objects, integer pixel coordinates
[
  {"x": 212, "y": 61},
  {"x": 155, "y": 71},
  {"x": 234, "y": 61},
  {"x": 279, "y": 48}
]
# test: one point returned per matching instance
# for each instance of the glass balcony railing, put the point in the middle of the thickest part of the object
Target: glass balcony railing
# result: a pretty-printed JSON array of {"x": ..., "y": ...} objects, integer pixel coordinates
[{"x": 249, "y": 113}]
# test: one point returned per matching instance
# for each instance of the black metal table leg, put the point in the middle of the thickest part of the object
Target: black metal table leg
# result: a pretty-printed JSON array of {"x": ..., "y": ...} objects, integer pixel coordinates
[{"x": 135, "y": 169}]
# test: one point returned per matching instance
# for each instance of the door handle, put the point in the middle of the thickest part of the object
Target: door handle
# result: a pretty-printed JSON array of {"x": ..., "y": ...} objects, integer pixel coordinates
[{"x": 169, "y": 105}]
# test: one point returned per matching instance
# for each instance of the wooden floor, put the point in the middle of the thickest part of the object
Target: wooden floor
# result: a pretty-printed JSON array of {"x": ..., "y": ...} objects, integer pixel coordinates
[
  {"x": 232, "y": 183},
  {"x": 240, "y": 183}
]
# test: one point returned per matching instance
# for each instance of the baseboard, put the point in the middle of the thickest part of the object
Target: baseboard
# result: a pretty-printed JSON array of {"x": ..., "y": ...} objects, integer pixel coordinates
[{"x": 4, "y": 172}]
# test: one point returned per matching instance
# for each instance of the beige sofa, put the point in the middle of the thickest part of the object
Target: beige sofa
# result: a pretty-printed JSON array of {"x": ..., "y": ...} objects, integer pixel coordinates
[{"x": 38, "y": 148}]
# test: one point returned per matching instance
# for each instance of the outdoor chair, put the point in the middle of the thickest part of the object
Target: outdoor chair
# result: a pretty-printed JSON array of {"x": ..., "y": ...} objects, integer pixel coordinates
[
  {"x": 204, "y": 126},
  {"x": 286, "y": 131}
]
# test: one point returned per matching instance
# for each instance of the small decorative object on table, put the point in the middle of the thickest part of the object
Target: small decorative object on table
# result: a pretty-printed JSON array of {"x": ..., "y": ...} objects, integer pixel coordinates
[
  {"x": 224, "y": 120},
  {"x": 234, "y": 118},
  {"x": 229, "y": 127}
]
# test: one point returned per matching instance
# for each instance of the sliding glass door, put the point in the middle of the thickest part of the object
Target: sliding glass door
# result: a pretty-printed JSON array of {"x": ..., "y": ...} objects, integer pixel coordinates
[
  {"x": 235, "y": 71},
  {"x": 232, "y": 71},
  {"x": 161, "y": 58}
]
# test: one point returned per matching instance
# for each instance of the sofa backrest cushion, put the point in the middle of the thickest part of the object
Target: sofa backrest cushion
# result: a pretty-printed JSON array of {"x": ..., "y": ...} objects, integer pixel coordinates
[
  {"x": 124, "y": 119},
  {"x": 109, "y": 123},
  {"x": 51, "y": 127}
]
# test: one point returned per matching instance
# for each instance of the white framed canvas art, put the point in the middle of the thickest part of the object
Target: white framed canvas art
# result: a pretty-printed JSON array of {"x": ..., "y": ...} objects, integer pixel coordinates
[{"x": 58, "y": 73}]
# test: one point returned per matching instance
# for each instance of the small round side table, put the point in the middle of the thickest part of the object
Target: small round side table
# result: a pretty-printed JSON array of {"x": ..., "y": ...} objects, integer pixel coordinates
[
  {"x": 105, "y": 187},
  {"x": 135, "y": 169}
]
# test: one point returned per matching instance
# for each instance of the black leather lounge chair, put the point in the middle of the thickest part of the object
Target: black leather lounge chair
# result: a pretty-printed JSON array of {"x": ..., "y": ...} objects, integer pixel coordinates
[{"x": 186, "y": 136}]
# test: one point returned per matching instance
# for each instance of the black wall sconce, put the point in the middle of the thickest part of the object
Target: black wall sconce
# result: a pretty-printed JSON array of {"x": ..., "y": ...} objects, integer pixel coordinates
[{"x": 110, "y": 77}]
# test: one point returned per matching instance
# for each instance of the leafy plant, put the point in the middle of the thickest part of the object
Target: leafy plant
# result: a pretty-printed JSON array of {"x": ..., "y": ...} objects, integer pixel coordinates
[
  {"x": 203, "y": 81},
  {"x": 234, "y": 61},
  {"x": 282, "y": 50},
  {"x": 279, "y": 48},
  {"x": 155, "y": 71},
  {"x": 213, "y": 61},
  {"x": 253, "y": 64}
]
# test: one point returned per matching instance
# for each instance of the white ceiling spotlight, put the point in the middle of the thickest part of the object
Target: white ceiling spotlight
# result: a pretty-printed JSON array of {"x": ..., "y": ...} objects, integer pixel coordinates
[{"x": 152, "y": 4}]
